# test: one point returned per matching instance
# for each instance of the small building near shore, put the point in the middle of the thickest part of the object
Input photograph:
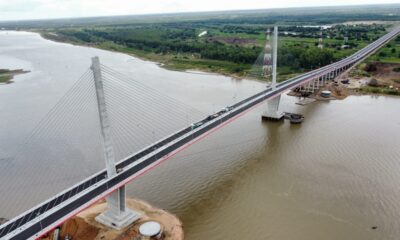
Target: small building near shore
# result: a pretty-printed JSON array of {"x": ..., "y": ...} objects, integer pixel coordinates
[{"x": 203, "y": 33}]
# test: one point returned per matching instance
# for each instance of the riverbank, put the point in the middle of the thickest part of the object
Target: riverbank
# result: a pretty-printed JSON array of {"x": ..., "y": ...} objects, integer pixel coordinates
[
  {"x": 375, "y": 78},
  {"x": 85, "y": 227},
  {"x": 190, "y": 61},
  {"x": 372, "y": 78},
  {"x": 6, "y": 75},
  {"x": 3, "y": 220},
  {"x": 182, "y": 62}
]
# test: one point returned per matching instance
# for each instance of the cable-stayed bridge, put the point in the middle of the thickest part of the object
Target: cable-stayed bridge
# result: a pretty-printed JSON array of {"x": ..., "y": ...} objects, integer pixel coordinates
[{"x": 51, "y": 213}]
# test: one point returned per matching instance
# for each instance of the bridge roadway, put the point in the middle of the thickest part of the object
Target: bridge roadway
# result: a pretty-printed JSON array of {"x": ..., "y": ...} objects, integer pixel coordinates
[{"x": 46, "y": 216}]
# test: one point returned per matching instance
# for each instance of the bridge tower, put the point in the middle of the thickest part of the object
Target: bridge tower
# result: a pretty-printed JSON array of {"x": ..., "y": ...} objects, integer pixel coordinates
[
  {"x": 117, "y": 215},
  {"x": 267, "y": 59},
  {"x": 320, "y": 40},
  {"x": 272, "y": 112}
]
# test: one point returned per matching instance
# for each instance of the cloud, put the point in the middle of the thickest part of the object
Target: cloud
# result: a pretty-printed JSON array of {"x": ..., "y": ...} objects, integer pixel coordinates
[
  {"x": 18, "y": 6},
  {"x": 39, "y": 9}
]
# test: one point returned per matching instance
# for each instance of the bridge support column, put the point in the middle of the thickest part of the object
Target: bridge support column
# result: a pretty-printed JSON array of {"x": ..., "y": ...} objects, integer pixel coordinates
[
  {"x": 273, "y": 112},
  {"x": 117, "y": 215},
  {"x": 312, "y": 86},
  {"x": 317, "y": 82}
]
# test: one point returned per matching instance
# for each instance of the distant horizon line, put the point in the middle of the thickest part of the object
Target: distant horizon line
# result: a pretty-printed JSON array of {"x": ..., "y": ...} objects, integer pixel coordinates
[{"x": 193, "y": 12}]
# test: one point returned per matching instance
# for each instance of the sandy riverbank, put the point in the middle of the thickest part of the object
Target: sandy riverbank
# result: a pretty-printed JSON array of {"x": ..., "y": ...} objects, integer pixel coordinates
[
  {"x": 85, "y": 227},
  {"x": 384, "y": 79}
]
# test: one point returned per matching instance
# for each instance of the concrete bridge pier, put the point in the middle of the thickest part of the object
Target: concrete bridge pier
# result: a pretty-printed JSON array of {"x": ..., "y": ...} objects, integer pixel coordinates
[
  {"x": 324, "y": 79},
  {"x": 272, "y": 112},
  {"x": 315, "y": 83},
  {"x": 308, "y": 87},
  {"x": 332, "y": 75},
  {"x": 117, "y": 215},
  {"x": 313, "y": 86}
]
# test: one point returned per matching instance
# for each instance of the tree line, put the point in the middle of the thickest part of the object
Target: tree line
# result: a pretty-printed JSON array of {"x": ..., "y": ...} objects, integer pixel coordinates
[{"x": 171, "y": 42}]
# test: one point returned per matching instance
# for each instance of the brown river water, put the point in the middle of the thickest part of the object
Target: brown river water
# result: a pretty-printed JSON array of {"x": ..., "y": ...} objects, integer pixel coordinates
[{"x": 335, "y": 176}]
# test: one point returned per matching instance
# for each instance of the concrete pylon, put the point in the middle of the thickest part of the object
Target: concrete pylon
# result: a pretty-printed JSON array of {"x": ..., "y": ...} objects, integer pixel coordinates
[
  {"x": 117, "y": 215},
  {"x": 273, "y": 112},
  {"x": 274, "y": 57}
]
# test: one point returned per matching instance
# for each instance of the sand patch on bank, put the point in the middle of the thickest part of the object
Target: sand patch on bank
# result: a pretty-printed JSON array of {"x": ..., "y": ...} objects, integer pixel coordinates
[{"x": 85, "y": 227}]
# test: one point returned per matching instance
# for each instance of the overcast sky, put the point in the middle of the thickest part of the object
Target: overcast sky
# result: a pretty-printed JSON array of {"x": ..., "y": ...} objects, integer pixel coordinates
[{"x": 40, "y": 9}]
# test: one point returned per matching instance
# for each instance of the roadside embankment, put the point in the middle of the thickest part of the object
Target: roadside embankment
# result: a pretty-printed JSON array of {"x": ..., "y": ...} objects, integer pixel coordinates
[{"x": 85, "y": 227}]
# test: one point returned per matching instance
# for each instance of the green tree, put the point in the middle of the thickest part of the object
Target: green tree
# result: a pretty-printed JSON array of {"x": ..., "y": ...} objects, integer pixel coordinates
[{"x": 382, "y": 54}]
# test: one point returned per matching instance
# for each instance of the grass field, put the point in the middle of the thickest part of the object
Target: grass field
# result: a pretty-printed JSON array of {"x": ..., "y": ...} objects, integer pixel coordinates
[
  {"x": 5, "y": 75},
  {"x": 380, "y": 90},
  {"x": 388, "y": 54},
  {"x": 4, "y": 78}
]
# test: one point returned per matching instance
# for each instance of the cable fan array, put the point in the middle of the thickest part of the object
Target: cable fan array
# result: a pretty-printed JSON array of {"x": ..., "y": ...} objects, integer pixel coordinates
[{"x": 66, "y": 146}]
